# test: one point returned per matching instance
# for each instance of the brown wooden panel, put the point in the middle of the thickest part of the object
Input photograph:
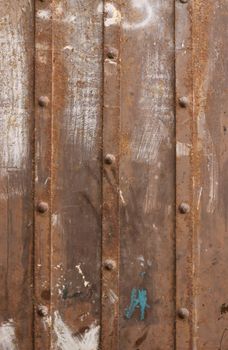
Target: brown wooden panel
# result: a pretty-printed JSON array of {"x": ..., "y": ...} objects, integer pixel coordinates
[
  {"x": 76, "y": 173},
  {"x": 147, "y": 176},
  {"x": 16, "y": 197},
  {"x": 210, "y": 23}
]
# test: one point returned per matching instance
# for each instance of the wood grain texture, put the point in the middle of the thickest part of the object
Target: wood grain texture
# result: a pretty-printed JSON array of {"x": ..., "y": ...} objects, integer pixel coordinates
[
  {"x": 147, "y": 175},
  {"x": 76, "y": 175},
  {"x": 211, "y": 234},
  {"x": 16, "y": 197}
]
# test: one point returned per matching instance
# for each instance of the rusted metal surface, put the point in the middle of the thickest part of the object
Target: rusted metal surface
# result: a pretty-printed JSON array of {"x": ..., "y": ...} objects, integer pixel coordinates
[{"x": 113, "y": 173}]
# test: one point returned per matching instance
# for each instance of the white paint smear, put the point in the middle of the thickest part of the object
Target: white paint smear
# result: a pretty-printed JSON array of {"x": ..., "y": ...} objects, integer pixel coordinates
[
  {"x": 83, "y": 63},
  {"x": 7, "y": 336},
  {"x": 67, "y": 341},
  {"x": 204, "y": 136},
  {"x": 14, "y": 83},
  {"x": 154, "y": 104}
]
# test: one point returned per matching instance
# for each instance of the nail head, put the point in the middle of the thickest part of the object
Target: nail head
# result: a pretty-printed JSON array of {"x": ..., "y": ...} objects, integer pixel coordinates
[
  {"x": 109, "y": 264},
  {"x": 183, "y": 313},
  {"x": 184, "y": 208},
  {"x": 43, "y": 101},
  {"x": 110, "y": 159},
  {"x": 42, "y": 311},
  {"x": 183, "y": 101},
  {"x": 42, "y": 207}
]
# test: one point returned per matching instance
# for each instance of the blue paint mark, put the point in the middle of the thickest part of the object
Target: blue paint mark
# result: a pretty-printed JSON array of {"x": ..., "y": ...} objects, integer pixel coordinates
[{"x": 138, "y": 300}]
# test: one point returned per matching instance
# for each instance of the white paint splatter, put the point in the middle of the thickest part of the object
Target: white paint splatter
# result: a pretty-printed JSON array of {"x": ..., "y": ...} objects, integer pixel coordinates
[
  {"x": 145, "y": 9},
  {"x": 14, "y": 87},
  {"x": 78, "y": 267},
  {"x": 43, "y": 14},
  {"x": 7, "y": 336},
  {"x": 67, "y": 341},
  {"x": 112, "y": 15}
]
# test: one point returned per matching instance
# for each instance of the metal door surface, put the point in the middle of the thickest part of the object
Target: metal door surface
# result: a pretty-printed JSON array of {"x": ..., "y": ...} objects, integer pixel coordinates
[{"x": 113, "y": 174}]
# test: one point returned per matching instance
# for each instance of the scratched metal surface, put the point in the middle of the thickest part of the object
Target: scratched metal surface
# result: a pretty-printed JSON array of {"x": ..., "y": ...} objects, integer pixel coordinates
[{"x": 113, "y": 204}]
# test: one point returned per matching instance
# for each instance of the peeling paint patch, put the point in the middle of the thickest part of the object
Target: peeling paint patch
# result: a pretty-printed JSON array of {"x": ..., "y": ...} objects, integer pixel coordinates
[
  {"x": 7, "y": 336},
  {"x": 67, "y": 341}
]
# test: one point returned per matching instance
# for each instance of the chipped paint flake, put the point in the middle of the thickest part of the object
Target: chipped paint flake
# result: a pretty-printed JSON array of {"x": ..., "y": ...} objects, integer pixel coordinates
[
  {"x": 67, "y": 341},
  {"x": 78, "y": 267},
  {"x": 7, "y": 336}
]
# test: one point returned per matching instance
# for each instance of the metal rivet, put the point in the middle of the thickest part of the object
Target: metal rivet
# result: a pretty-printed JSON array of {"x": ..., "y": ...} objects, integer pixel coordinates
[
  {"x": 109, "y": 264},
  {"x": 110, "y": 159},
  {"x": 184, "y": 1},
  {"x": 42, "y": 311},
  {"x": 42, "y": 207},
  {"x": 183, "y": 313},
  {"x": 184, "y": 208},
  {"x": 183, "y": 101},
  {"x": 43, "y": 101}
]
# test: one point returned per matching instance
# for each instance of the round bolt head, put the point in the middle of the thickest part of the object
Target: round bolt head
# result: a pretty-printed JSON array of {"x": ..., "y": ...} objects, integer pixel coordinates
[
  {"x": 110, "y": 159},
  {"x": 109, "y": 264},
  {"x": 184, "y": 208},
  {"x": 183, "y": 313},
  {"x": 42, "y": 207},
  {"x": 43, "y": 101},
  {"x": 42, "y": 311},
  {"x": 183, "y": 101}
]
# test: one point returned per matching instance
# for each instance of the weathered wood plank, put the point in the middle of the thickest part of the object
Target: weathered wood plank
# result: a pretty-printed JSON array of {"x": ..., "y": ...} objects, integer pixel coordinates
[
  {"x": 16, "y": 198},
  {"x": 76, "y": 176},
  {"x": 147, "y": 176},
  {"x": 110, "y": 183},
  {"x": 210, "y": 23}
]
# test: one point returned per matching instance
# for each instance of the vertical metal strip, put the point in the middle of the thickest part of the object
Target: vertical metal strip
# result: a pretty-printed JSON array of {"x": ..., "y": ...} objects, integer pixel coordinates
[
  {"x": 184, "y": 200},
  {"x": 43, "y": 156},
  {"x": 110, "y": 219}
]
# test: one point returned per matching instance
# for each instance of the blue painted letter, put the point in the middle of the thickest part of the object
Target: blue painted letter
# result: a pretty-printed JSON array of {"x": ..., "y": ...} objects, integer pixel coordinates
[{"x": 138, "y": 300}]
